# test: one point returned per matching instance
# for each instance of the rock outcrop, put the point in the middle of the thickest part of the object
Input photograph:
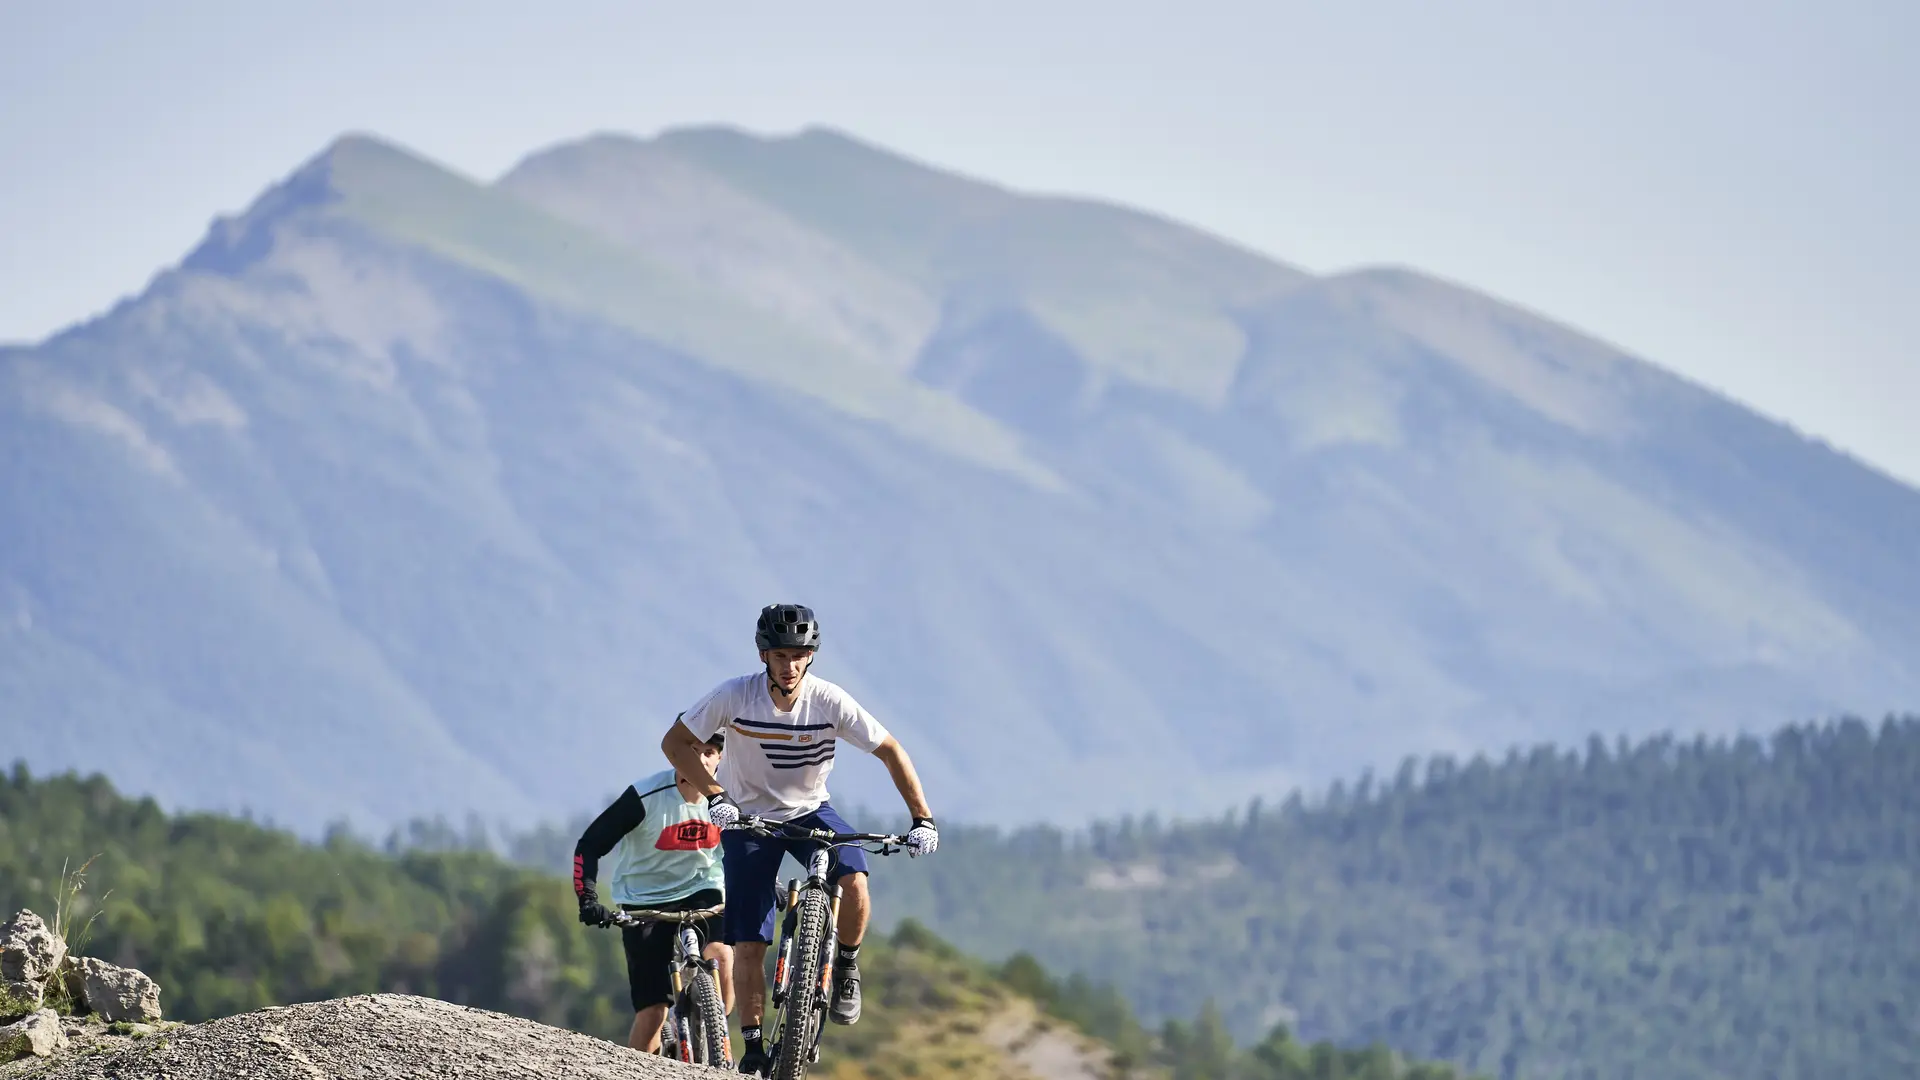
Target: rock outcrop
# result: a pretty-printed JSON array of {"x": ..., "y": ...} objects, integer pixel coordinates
[
  {"x": 376, "y": 1035},
  {"x": 38, "y": 1034},
  {"x": 30, "y": 955},
  {"x": 40, "y": 979},
  {"x": 113, "y": 993}
]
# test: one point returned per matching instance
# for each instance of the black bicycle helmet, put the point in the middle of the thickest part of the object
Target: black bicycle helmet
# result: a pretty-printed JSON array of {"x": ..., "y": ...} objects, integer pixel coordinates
[{"x": 787, "y": 626}]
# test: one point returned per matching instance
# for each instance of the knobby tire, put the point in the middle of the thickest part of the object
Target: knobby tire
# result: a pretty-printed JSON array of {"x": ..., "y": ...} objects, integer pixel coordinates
[
  {"x": 709, "y": 1022},
  {"x": 802, "y": 1012}
]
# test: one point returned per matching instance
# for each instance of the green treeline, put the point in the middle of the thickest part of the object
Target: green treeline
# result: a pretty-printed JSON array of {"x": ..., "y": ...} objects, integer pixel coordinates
[
  {"x": 1665, "y": 909},
  {"x": 228, "y": 916},
  {"x": 1202, "y": 1050}
]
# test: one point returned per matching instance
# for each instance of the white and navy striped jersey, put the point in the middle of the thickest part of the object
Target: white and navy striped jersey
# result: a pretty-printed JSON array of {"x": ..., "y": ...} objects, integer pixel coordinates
[{"x": 776, "y": 763}]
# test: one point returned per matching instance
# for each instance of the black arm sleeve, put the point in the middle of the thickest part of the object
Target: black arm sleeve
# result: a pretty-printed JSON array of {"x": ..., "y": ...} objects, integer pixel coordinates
[{"x": 613, "y": 823}]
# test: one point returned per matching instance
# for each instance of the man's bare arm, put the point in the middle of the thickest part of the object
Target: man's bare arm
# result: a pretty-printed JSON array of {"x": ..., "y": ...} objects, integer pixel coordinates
[
  {"x": 900, "y": 767},
  {"x": 682, "y": 748}
]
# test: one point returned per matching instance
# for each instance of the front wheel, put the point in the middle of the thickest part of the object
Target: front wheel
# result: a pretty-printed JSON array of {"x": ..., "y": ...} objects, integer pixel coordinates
[
  {"x": 804, "y": 1008},
  {"x": 708, "y": 1022}
]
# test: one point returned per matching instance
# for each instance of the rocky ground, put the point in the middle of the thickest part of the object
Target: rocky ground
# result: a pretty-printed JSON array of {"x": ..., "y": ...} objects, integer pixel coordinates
[
  {"x": 64, "y": 1017},
  {"x": 356, "y": 1038},
  {"x": 79, "y": 1037}
]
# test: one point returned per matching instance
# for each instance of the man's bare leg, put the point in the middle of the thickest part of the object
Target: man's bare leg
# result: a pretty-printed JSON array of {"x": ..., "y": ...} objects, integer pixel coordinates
[
  {"x": 855, "y": 905},
  {"x": 750, "y": 981},
  {"x": 645, "y": 1035}
]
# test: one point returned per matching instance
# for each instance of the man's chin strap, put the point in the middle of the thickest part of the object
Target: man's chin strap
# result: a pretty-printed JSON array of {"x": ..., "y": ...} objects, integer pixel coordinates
[{"x": 774, "y": 684}]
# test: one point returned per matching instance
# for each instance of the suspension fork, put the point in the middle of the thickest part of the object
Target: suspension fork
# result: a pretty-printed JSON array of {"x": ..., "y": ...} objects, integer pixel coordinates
[
  {"x": 819, "y": 867},
  {"x": 688, "y": 951},
  {"x": 828, "y": 941},
  {"x": 783, "y": 953}
]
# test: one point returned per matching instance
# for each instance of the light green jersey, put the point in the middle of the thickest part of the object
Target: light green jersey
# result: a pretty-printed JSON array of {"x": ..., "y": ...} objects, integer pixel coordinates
[{"x": 673, "y": 853}]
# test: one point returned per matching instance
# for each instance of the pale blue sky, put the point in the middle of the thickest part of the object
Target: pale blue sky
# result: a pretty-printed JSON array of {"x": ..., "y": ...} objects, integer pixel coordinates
[{"x": 1728, "y": 189}]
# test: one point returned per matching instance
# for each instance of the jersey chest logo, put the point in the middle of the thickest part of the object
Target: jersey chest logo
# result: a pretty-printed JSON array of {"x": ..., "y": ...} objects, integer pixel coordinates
[{"x": 688, "y": 836}]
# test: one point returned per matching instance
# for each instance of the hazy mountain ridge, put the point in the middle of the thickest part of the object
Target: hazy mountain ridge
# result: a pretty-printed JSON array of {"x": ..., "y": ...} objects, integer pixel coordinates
[{"x": 407, "y": 494}]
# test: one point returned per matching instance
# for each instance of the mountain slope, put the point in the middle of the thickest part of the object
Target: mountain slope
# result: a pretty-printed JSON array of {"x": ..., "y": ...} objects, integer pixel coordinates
[
  {"x": 408, "y": 494},
  {"x": 1137, "y": 297}
]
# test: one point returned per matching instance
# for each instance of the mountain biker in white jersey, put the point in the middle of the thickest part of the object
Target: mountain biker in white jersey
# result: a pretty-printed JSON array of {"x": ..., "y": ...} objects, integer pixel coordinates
[{"x": 782, "y": 725}]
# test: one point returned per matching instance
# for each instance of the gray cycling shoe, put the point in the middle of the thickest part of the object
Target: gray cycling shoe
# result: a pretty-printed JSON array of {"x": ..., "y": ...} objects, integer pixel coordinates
[{"x": 846, "y": 995}]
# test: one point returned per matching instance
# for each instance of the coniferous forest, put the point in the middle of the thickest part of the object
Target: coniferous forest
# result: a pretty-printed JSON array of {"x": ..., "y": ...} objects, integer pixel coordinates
[{"x": 1664, "y": 909}]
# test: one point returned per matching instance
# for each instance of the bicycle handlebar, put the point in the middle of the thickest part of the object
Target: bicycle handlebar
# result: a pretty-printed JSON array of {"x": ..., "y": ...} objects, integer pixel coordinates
[
  {"x": 834, "y": 839},
  {"x": 640, "y": 915}
]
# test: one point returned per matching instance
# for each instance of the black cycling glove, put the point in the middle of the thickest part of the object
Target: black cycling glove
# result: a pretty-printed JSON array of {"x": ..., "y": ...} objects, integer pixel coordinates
[{"x": 592, "y": 912}]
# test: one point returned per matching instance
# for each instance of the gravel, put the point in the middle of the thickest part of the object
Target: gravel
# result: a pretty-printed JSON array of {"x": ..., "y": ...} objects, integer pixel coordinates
[{"x": 370, "y": 1036}]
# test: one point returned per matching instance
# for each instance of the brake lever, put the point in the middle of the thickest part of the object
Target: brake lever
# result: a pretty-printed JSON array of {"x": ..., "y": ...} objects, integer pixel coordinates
[{"x": 755, "y": 825}]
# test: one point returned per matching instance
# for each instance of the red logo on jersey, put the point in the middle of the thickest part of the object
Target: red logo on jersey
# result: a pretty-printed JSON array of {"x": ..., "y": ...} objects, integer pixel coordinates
[{"x": 688, "y": 836}]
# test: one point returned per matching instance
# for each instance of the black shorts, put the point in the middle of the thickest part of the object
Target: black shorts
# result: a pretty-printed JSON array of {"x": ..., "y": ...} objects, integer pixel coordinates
[{"x": 650, "y": 948}]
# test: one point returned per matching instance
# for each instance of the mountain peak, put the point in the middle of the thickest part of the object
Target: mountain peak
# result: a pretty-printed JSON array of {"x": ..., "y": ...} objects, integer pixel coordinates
[
  {"x": 351, "y": 143},
  {"x": 354, "y": 166}
]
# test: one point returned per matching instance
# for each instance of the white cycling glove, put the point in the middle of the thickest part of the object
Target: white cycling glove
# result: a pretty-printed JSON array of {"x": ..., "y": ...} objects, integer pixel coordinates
[
  {"x": 923, "y": 838},
  {"x": 723, "y": 811}
]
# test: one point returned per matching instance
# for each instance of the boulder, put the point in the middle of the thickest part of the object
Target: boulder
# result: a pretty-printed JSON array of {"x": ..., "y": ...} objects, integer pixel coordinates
[
  {"x": 116, "y": 993},
  {"x": 29, "y": 952},
  {"x": 39, "y": 1034},
  {"x": 20, "y": 998}
]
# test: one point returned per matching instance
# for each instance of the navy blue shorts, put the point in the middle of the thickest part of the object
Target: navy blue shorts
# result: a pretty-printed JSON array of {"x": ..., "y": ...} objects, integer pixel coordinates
[{"x": 752, "y": 868}]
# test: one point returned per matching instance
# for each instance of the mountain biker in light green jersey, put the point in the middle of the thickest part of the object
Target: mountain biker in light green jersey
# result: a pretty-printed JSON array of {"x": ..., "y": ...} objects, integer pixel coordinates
[
  {"x": 782, "y": 724},
  {"x": 666, "y": 856}
]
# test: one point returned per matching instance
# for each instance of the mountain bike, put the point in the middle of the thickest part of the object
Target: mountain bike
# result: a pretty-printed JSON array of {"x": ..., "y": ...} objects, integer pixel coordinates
[
  {"x": 801, "y": 989},
  {"x": 696, "y": 1026}
]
